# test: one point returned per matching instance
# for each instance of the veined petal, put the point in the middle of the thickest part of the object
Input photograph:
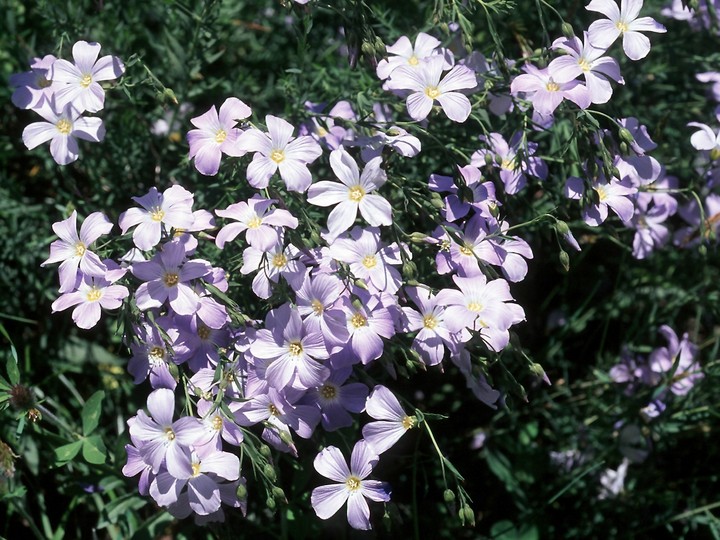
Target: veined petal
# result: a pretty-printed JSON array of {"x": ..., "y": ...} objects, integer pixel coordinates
[
  {"x": 85, "y": 54},
  {"x": 456, "y": 106},
  {"x": 327, "y": 500},
  {"x": 37, "y": 133},
  {"x": 419, "y": 105},
  {"x": 331, "y": 463},
  {"x": 326, "y": 193}
]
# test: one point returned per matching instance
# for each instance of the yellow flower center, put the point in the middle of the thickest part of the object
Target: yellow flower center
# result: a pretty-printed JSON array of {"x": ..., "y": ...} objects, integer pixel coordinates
[
  {"x": 508, "y": 164},
  {"x": 64, "y": 126},
  {"x": 80, "y": 249},
  {"x": 602, "y": 192},
  {"x": 466, "y": 250},
  {"x": 369, "y": 261},
  {"x": 317, "y": 307},
  {"x": 254, "y": 222},
  {"x": 195, "y": 469},
  {"x": 552, "y": 86},
  {"x": 328, "y": 391},
  {"x": 353, "y": 483},
  {"x": 94, "y": 294},
  {"x": 156, "y": 354},
  {"x": 358, "y": 320},
  {"x": 277, "y": 156},
  {"x": 220, "y": 136},
  {"x": 169, "y": 434},
  {"x": 156, "y": 214},
  {"x": 409, "y": 422},
  {"x": 203, "y": 332},
  {"x": 584, "y": 65},
  {"x": 273, "y": 410},
  {"x": 321, "y": 132},
  {"x": 295, "y": 348},
  {"x": 622, "y": 26},
  {"x": 429, "y": 322},
  {"x": 42, "y": 82},
  {"x": 413, "y": 60},
  {"x": 475, "y": 307},
  {"x": 171, "y": 279},
  {"x": 217, "y": 423},
  {"x": 86, "y": 80},
  {"x": 279, "y": 260},
  {"x": 432, "y": 92},
  {"x": 356, "y": 193}
]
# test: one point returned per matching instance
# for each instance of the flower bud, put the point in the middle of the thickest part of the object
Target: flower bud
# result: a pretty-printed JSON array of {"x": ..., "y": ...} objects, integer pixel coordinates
[
  {"x": 286, "y": 438},
  {"x": 562, "y": 227},
  {"x": 270, "y": 503},
  {"x": 489, "y": 160},
  {"x": 174, "y": 371},
  {"x": 279, "y": 494},
  {"x": 380, "y": 48},
  {"x": 269, "y": 472},
  {"x": 169, "y": 94},
  {"x": 538, "y": 371},
  {"x": 625, "y": 135},
  {"x": 265, "y": 451},
  {"x": 615, "y": 172},
  {"x": 469, "y": 515},
  {"x": 241, "y": 492},
  {"x": 409, "y": 270},
  {"x": 437, "y": 201},
  {"x": 418, "y": 237},
  {"x": 567, "y": 30},
  {"x": 449, "y": 495},
  {"x": 564, "y": 260},
  {"x": 367, "y": 48}
]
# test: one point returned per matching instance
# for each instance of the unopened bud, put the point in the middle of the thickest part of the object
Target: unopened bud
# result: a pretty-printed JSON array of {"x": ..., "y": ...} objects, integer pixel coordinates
[
  {"x": 241, "y": 491},
  {"x": 270, "y": 503},
  {"x": 538, "y": 370},
  {"x": 315, "y": 238},
  {"x": 269, "y": 472},
  {"x": 449, "y": 495},
  {"x": 437, "y": 201},
  {"x": 702, "y": 250},
  {"x": 489, "y": 160},
  {"x": 379, "y": 46},
  {"x": 625, "y": 135},
  {"x": 174, "y": 370},
  {"x": 418, "y": 237},
  {"x": 361, "y": 284},
  {"x": 567, "y": 30},
  {"x": 624, "y": 150},
  {"x": 169, "y": 94},
  {"x": 564, "y": 260},
  {"x": 562, "y": 227},
  {"x": 265, "y": 451},
  {"x": 278, "y": 493},
  {"x": 469, "y": 515},
  {"x": 286, "y": 438},
  {"x": 494, "y": 210},
  {"x": 444, "y": 28},
  {"x": 367, "y": 48},
  {"x": 409, "y": 270},
  {"x": 615, "y": 172}
]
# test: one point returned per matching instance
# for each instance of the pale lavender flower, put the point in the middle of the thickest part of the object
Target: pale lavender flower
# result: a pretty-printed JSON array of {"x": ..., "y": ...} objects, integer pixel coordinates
[
  {"x": 81, "y": 81},
  {"x": 62, "y": 130},
  {"x": 406, "y": 54},
  {"x": 166, "y": 278},
  {"x": 216, "y": 134},
  {"x": 516, "y": 160},
  {"x": 641, "y": 140},
  {"x": 33, "y": 87},
  {"x": 73, "y": 250},
  {"x": 270, "y": 265},
  {"x": 337, "y": 400},
  {"x": 92, "y": 295},
  {"x": 705, "y": 139},
  {"x": 369, "y": 259},
  {"x": 287, "y": 353},
  {"x": 482, "y": 306},
  {"x": 433, "y": 335},
  {"x": 324, "y": 129},
  {"x": 352, "y": 487},
  {"x": 259, "y": 222},
  {"x": 584, "y": 59},
  {"x": 546, "y": 93},
  {"x": 277, "y": 150},
  {"x": 681, "y": 352},
  {"x": 704, "y": 224},
  {"x": 150, "y": 357},
  {"x": 616, "y": 195},
  {"x": 163, "y": 440},
  {"x": 612, "y": 481},
  {"x": 427, "y": 85},
  {"x": 172, "y": 208},
  {"x": 622, "y": 22},
  {"x": 353, "y": 194},
  {"x": 391, "y": 420},
  {"x": 318, "y": 301}
]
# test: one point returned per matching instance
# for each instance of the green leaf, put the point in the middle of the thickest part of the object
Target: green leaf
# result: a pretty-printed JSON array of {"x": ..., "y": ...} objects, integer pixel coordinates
[
  {"x": 91, "y": 412},
  {"x": 94, "y": 450},
  {"x": 66, "y": 452},
  {"x": 12, "y": 371}
]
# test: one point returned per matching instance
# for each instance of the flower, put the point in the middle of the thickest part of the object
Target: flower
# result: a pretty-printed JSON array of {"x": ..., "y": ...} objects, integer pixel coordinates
[
  {"x": 546, "y": 93},
  {"x": 255, "y": 218},
  {"x": 277, "y": 150},
  {"x": 352, "y": 487},
  {"x": 74, "y": 250},
  {"x": 92, "y": 294},
  {"x": 427, "y": 87},
  {"x": 406, "y": 54},
  {"x": 614, "y": 194},
  {"x": 391, "y": 420},
  {"x": 353, "y": 194},
  {"x": 623, "y": 22},
  {"x": 81, "y": 81},
  {"x": 62, "y": 130},
  {"x": 33, "y": 87},
  {"x": 173, "y": 208},
  {"x": 584, "y": 59},
  {"x": 216, "y": 135}
]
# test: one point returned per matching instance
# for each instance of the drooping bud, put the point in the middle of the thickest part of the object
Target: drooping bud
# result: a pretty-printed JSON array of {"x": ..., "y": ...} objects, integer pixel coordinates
[
  {"x": 449, "y": 495},
  {"x": 625, "y": 135},
  {"x": 562, "y": 227},
  {"x": 269, "y": 472},
  {"x": 567, "y": 30},
  {"x": 564, "y": 260}
]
